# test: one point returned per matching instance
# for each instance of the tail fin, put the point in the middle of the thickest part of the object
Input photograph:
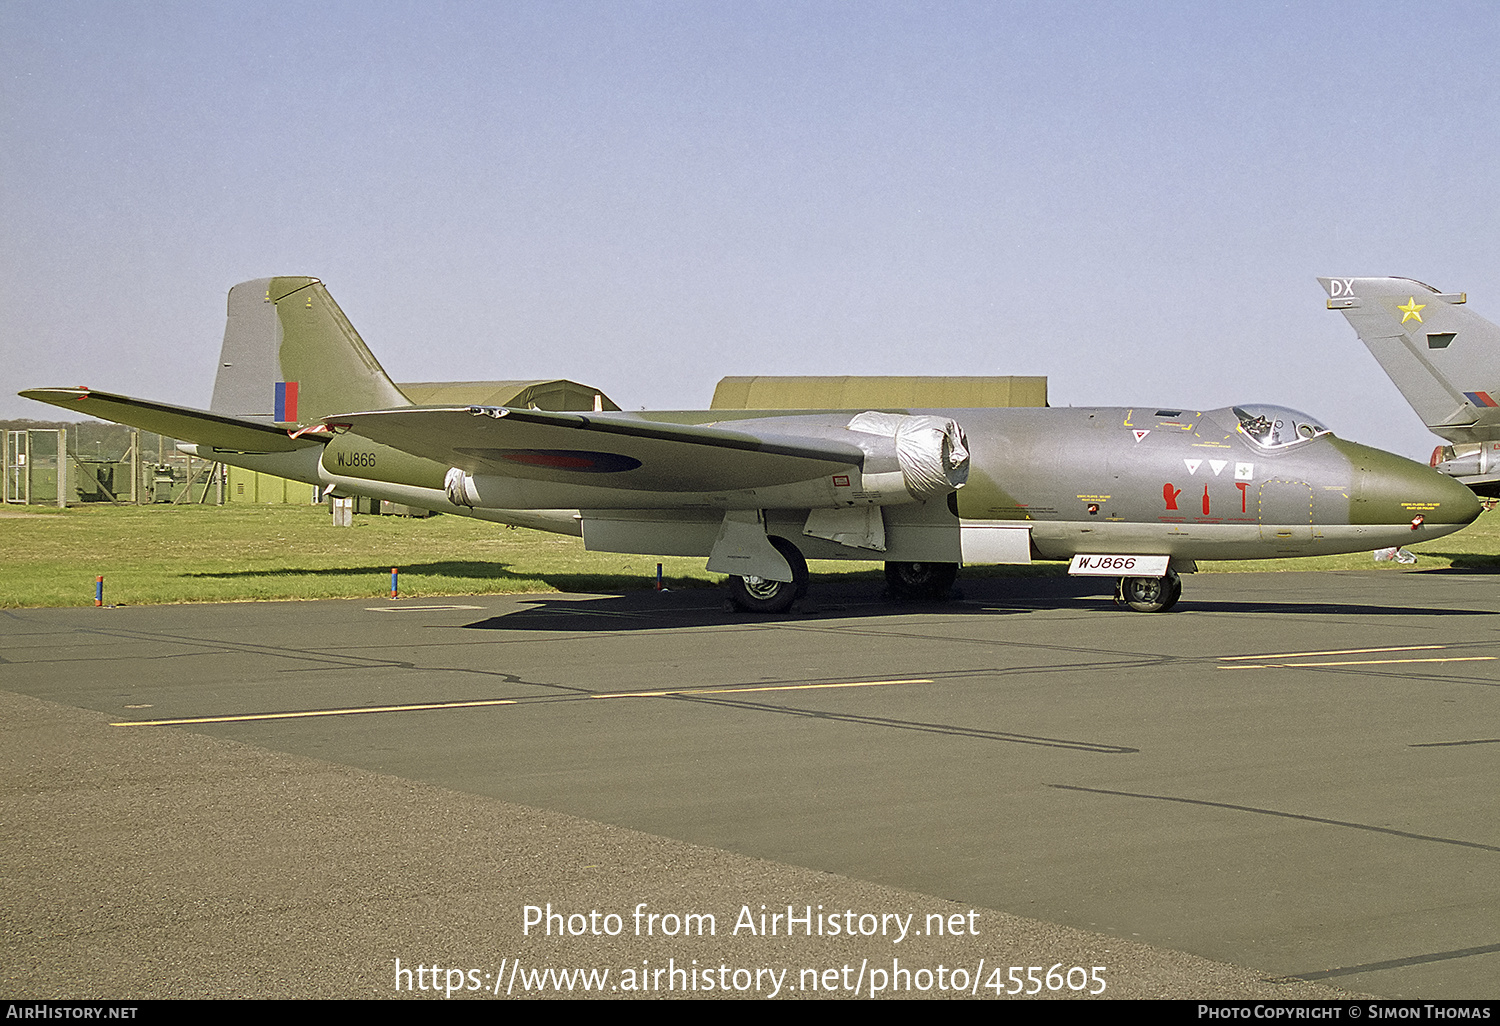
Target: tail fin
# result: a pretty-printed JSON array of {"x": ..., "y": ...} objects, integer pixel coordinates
[
  {"x": 291, "y": 357},
  {"x": 1444, "y": 359}
]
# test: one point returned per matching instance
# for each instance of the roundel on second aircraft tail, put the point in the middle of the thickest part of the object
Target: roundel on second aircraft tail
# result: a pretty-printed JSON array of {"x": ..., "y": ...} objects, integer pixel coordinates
[{"x": 579, "y": 461}]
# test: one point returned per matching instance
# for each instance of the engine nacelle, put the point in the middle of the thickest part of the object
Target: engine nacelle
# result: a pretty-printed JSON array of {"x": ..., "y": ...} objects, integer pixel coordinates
[
  {"x": 927, "y": 457},
  {"x": 1468, "y": 459}
]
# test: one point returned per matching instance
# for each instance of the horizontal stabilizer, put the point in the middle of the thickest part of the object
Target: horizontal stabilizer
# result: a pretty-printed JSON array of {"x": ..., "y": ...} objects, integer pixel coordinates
[
  {"x": 180, "y": 422},
  {"x": 613, "y": 450}
]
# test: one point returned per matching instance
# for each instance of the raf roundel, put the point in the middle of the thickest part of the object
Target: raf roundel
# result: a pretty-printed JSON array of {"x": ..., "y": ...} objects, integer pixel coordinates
[{"x": 579, "y": 461}]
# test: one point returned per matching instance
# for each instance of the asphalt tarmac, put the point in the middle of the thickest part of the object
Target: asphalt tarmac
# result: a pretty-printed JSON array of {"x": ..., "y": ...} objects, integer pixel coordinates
[{"x": 1284, "y": 788}]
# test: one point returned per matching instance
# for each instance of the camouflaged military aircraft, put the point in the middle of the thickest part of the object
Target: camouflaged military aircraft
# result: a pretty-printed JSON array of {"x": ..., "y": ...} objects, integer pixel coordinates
[
  {"x": 1444, "y": 358},
  {"x": 1135, "y": 493}
]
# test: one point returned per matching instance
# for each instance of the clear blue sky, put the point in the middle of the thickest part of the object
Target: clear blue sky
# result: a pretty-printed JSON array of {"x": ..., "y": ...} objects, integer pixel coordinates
[{"x": 1132, "y": 199}]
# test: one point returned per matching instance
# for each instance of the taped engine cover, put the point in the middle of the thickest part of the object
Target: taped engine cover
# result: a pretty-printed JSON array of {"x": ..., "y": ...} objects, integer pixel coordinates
[
  {"x": 931, "y": 452},
  {"x": 460, "y": 488}
]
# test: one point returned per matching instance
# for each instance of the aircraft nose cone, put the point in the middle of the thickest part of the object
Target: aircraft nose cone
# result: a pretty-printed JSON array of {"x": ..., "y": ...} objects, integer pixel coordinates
[
  {"x": 1389, "y": 489},
  {"x": 1459, "y": 503}
]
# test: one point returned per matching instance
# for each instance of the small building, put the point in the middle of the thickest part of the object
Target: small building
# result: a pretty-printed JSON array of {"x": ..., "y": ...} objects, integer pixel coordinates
[
  {"x": 870, "y": 392},
  {"x": 556, "y": 394},
  {"x": 250, "y": 486}
]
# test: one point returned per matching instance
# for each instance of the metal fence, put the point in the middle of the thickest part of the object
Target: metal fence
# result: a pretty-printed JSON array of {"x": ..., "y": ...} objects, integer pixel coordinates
[{"x": 58, "y": 466}]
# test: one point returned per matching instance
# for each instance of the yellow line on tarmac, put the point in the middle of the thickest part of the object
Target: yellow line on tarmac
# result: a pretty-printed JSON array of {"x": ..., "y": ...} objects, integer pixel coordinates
[
  {"x": 315, "y": 712},
  {"x": 1335, "y": 651},
  {"x": 768, "y": 687},
  {"x": 1362, "y": 662},
  {"x": 246, "y": 717}
]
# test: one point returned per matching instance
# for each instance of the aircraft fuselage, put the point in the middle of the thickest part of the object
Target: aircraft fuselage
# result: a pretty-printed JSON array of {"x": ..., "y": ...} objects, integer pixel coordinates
[
  {"x": 1180, "y": 483},
  {"x": 1136, "y": 492}
]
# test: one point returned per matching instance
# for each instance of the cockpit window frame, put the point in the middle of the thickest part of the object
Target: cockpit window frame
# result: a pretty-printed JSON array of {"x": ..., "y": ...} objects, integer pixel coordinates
[{"x": 1272, "y": 428}]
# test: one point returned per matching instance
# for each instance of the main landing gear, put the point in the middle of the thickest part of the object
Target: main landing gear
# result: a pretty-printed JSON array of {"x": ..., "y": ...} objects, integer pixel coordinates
[
  {"x": 920, "y": 580},
  {"x": 1150, "y": 594},
  {"x": 759, "y": 595}
]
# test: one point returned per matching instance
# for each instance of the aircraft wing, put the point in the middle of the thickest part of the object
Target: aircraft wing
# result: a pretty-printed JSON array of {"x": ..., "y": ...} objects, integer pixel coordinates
[
  {"x": 231, "y": 434},
  {"x": 617, "y": 450}
]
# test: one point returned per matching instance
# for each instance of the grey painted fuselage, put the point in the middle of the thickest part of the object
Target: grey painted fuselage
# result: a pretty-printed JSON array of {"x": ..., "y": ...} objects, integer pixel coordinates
[
  {"x": 299, "y": 395},
  {"x": 1181, "y": 483}
]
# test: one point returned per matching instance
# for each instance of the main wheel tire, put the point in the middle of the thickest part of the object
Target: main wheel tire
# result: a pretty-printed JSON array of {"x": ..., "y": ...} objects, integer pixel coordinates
[
  {"x": 920, "y": 580},
  {"x": 794, "y": 558},
  {"x": 759, "y": 595},
  {"x": 1151, "y": 594}
]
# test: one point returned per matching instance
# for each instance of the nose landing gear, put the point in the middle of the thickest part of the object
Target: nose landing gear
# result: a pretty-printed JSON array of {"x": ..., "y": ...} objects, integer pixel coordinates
[{"x": 1149, "y": 594}]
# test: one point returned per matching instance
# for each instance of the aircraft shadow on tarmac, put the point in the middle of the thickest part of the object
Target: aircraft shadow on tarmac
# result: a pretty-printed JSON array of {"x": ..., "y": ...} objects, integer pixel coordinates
[
  {"x": 413, "y": 573},
  {"x": 704, "y": 607},
  {"x": 831, "y": 599},
  {"x": 1466, "y": 562}
]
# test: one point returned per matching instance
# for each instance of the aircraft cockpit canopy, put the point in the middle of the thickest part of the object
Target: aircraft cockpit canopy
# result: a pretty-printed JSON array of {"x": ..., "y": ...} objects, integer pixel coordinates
[{"x": 1275, "y": 427}]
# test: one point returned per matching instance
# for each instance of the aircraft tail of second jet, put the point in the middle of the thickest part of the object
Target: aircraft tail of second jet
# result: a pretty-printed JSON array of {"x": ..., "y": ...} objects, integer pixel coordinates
[
  {"x": 291, "y": 357},
  {"x": 1444, "y": 358}
]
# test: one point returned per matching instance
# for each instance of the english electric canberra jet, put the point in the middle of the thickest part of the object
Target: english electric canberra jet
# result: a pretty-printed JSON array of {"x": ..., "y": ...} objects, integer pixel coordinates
[{"x": 1136, "y": 493}]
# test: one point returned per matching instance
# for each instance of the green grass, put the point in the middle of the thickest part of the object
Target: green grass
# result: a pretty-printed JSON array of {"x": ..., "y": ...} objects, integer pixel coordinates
[
  {"x": 160, "y": 554},
  {"x": 163, "y": 554}
]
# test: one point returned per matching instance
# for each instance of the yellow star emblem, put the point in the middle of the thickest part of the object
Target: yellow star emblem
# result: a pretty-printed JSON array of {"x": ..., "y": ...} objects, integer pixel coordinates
[{"x": 1412, "y": 309}]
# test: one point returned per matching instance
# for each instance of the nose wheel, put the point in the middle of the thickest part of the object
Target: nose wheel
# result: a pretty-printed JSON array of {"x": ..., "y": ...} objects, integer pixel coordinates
[{"x": 1150, "y": 594}]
